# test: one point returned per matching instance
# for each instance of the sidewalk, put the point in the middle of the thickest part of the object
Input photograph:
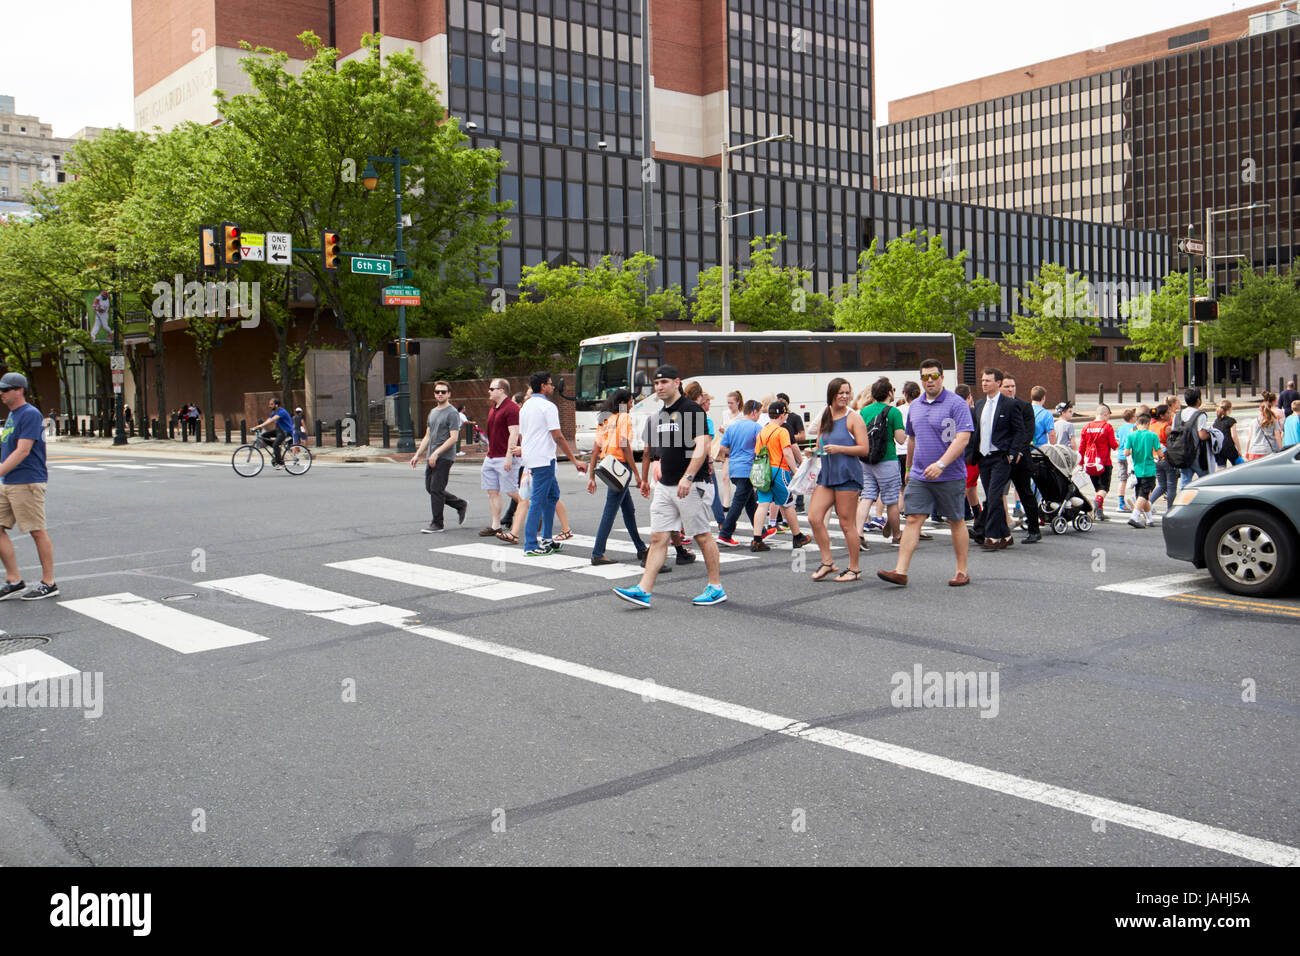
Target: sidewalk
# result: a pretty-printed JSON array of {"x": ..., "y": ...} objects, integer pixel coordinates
[{"x": 356, "y": 453}]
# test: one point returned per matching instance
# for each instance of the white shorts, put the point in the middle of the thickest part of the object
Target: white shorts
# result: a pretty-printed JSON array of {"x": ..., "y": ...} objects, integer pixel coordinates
[
  {"x": 495, "y": 478},
  {"x": 691, "y": 514}
]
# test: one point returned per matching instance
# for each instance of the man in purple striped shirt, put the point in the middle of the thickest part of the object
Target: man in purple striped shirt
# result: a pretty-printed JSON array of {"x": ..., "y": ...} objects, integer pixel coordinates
[{"x": 939, "y": 425}]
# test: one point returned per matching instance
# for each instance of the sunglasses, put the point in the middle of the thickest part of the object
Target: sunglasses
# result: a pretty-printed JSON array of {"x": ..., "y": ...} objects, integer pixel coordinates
[
  {"x": 931, "y": 376},
  {"x": 441, "y": 391}
]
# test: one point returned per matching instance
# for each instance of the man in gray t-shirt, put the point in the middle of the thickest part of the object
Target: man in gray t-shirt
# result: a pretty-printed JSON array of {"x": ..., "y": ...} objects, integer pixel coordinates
[{"x": 440, "y": 442}]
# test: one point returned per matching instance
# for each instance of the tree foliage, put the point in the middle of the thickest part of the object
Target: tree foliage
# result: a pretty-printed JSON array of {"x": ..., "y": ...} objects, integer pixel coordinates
[
  {"x": 764, "y": 295},
  {"x": 1262, "y": 313},
  {"x": 1057, "y": 319},
  {"x": 913, "y": 286},
  {"x": 626, "y": 283},
  {"x": 1154, "y": 321},
  {"x": 536, "y": 335}
]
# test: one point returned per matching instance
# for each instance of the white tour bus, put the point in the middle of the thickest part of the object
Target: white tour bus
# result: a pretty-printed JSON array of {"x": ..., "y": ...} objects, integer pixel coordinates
[{"x": 801, "y": 364}]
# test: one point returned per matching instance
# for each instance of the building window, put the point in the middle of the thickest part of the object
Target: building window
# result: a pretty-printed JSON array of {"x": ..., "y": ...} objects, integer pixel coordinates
[{"x": 1095, "y": 354}]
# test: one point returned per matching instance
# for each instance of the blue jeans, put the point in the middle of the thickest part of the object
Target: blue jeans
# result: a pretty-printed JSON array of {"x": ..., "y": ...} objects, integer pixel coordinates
[
  {"x": 1166, "y": 482},
  {"x": 1193, "y": 472},
  {"x": 742, "y": 499},
  {"x": 541, "y": 507},
  {"x": 614, "y": 501},
  {"x": 719, "y": 513}
]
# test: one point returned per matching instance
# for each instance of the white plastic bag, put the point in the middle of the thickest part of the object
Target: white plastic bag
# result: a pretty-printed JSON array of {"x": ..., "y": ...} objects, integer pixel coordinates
[{"x": 805, "y": 479}]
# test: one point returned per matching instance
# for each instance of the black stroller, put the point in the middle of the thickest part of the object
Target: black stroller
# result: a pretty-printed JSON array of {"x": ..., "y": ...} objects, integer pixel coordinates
[{"x": 1064, "y": 491}]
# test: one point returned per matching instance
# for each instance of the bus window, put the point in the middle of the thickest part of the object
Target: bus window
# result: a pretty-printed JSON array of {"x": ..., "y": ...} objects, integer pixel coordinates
[
  {"x": 724, "y": 358},
  {"x": 875, "y": 356},
  {"x": 805, "y": 357},
  {"x": 766, "y": 358},
  {"x": 908, "y": 356},
  {"x": 684, "y": 356},
  {"x": 842, "y": 356}
]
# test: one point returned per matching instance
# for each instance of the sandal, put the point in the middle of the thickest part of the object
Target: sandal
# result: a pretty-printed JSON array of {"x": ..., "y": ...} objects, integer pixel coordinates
[
  {"x": 564, "y": 535},
  {"x": 824, "y": 571},
  {"x": 507, "y": 536},
  {"x": 850, "y": 575}
]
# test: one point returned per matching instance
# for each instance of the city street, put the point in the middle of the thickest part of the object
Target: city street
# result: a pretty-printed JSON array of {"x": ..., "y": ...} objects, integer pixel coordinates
[{"x": 292, "y": 674}]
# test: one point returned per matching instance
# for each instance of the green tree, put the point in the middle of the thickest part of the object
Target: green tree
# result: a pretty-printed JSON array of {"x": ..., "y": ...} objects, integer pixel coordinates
[
  {"x": 626, "y": 283},
  {"x": 913, "y": 286},
  {"x": 764, "y": 296},
  {"x": 1262, "y": 313},
  {"x": 1154, "y": 321},
  {"x": 1059, "y": 319},
  {"x": 295, "y": 161},
  {"x": 535, "y": 335}
]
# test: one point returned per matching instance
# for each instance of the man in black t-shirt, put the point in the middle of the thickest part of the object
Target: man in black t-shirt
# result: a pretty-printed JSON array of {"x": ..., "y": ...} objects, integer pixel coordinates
[{"x": 683, "y": 495}]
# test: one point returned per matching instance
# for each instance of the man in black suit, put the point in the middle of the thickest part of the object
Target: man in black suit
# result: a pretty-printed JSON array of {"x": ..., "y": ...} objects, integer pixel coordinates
[
  {"x": 998, "y": 439},
  {"x": 1020, "y": 477}
]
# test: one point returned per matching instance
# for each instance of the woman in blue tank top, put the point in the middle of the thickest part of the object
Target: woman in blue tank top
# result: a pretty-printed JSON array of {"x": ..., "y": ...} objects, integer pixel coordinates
[{"x": 842, "y": 438}]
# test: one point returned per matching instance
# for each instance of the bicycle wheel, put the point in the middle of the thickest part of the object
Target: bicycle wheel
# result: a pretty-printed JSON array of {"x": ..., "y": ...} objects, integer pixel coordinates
[
  {"x": 297, "y": 459},
  {"x": 247, "y": 461}
]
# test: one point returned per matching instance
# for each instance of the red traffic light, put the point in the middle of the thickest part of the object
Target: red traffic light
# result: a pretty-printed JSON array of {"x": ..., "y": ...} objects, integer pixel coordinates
[
  {"x": 330, "y": 254},
  {"x": 230, "y": 252}
]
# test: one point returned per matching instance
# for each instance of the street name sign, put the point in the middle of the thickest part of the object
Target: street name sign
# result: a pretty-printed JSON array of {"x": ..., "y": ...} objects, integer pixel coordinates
[
  {"x": 372, "y": 267},
  {"x": 401, "y": 295},
  {"x": 252, "y": 247},
  {"x": 279, "y": 248},
  {"x": 1193, "y": 247}
]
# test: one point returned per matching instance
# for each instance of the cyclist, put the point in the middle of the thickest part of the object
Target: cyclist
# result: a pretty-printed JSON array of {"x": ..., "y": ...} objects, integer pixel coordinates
[{"x": 279, "y": 428}]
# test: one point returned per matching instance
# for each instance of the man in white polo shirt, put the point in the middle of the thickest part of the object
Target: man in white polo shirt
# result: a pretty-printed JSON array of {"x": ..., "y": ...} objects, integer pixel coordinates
[{"x": 539, "y": 434}]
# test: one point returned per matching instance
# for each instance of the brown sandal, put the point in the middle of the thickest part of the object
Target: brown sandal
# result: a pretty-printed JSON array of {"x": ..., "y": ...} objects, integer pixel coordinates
[
  {"x": 824, "y": 571},
  {"x": 507, "y": 536},
  {"x": 850, "y": 575}
]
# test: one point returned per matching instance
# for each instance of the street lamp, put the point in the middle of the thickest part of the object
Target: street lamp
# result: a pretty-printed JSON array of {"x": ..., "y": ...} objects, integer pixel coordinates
[
  {"x": 727, "y": 150},
  {"x": 1210, "y": 257},
  {"x": 370, "y": 179}
]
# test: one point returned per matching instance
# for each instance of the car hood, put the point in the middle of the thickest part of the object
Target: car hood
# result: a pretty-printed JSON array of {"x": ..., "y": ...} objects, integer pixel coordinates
[{"x": 1280, "y": 468}]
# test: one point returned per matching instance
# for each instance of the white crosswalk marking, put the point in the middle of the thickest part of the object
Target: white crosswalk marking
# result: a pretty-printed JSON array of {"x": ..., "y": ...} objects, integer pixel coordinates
[
  {"x": 294, "y": 596},
  {"x": 436, "y": 579},
  {"x": 618, "y": 546},
  {"x": 172, "y": 628},
  {"x": 76, "y": 467},
  {"x": 126, "y": 467},
  {"x": 173, "y": 464},
  {"x": 1166, "y": 585},
  {"x": 24, "y": 667},
  {"x": 550, "y": 562}
]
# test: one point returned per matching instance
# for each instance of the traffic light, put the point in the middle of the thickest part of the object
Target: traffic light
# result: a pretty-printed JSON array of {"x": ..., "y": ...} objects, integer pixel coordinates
[
  {"x": 230, "y": 241},
  {"x": 1205, "y": 310},
  {"x": 330, "y": 250},
  {"x": 208, "y": 248}
]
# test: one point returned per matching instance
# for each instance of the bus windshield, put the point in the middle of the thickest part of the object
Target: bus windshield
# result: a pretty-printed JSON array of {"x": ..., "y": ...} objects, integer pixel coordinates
[{"x": 601, "y": 369}]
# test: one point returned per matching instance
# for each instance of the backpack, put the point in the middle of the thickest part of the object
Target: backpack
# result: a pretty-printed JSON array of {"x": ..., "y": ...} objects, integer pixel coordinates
[
  {"x": 1180, "y": 449},
  {"x": 760, "y": 473},
  {"x": 877, "y": 436}
]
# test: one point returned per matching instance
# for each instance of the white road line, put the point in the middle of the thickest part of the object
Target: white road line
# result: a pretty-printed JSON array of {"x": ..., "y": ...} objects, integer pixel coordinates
[
  {"x": 1061, "y": 798},
  {"x": 626, "y": 547},
  {"x": 1166, "y": 585},
  {"x": 128, "y": 467},
  {"x": 550, "y": 562},
  {"x": 174, "y": 629},
  {"x": 295, "y": 596},
  {"x": 24, "y": 667},
  {"x": 171, "y": 464},
  {"x": 75, "y": 467},
  {"x": 436, "y": 579}
]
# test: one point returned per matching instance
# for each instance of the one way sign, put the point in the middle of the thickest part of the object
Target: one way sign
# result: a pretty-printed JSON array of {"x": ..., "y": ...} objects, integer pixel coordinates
[{"x": 279, "y": 248}]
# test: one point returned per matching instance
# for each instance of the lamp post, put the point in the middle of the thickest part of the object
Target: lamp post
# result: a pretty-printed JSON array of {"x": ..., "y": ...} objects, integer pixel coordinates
[
  {"x": 370, "y": 179},
  {"x": 727, "y": 150},
  {"x": 1210, "y": 257}
]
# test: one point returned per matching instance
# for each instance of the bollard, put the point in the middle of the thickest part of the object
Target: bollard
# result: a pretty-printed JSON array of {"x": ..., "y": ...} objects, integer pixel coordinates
[
  {"x": 387, "y": 443},
  {"x": 320, "y": 427},
  {"x": 227, "y": 431},
  {"x": 1239, "y": 388},
  {"x": 185, "y": 432},
  {"x": 1101, "y": 394},
  {"x": 1137, "y": 397},
  {"x": 338, "y": 433},
  {"x": 243, "y": 432},
  {"x": 1119, "y": 389}
]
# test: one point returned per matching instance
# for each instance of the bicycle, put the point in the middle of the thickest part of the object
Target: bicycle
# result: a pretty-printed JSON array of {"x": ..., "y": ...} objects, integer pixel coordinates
[{"x": 248, "y": 460}]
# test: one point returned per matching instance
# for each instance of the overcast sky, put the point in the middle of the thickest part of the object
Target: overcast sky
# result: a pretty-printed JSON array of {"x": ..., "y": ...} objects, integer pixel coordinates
[{"x": 69, "y": 61}]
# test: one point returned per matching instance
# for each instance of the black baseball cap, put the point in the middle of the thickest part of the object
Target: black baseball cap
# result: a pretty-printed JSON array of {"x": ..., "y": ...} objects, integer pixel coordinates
[
  {"x": 667, "y": 371},
  {"x": 776, "y": 409}
]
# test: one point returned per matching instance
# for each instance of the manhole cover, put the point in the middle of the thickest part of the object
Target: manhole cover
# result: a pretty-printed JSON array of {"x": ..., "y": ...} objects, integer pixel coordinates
[
  {"x": 178, "y": 597},
  {"x": 12, "y": 645}
]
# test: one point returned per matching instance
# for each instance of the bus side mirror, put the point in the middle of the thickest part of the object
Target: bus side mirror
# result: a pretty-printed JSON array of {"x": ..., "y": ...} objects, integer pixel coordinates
[{"x": 642, "y": 383}]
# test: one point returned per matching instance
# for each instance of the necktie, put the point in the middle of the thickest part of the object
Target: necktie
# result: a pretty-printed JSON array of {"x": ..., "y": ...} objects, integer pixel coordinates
[{"x": 986, "y": 426}]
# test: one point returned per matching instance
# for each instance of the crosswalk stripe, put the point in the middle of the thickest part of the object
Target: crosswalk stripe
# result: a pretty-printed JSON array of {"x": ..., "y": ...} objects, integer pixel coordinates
[
  {"x": 318, "y": 602},
  {"x": 174, "y": 629},
  {"x": 1165, "y": 585},
  {"x": 172, "y": 464},
  {"x": 24, "y": 667},
  {"x": 77, "y": 467},
  {"x": 437, "y": 579},
  {"x": 626, "y": 547},
  {"x": 128, "y": 467},
  {"x": 550, "y": 562}
]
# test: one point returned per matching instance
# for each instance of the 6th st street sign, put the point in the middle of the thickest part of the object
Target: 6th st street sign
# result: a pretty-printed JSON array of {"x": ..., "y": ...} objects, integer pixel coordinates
[{"x": 372, "y": 267}]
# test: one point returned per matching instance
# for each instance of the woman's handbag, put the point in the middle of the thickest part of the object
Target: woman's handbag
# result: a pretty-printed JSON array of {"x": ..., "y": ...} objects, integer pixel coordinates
[{"x": 614, "y": 473}]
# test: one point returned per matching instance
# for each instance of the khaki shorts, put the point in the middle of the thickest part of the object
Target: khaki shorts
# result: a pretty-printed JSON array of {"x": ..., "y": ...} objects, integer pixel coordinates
[
  {"x": 24, "y": 504},
  {"x": 689, "y": 514}
]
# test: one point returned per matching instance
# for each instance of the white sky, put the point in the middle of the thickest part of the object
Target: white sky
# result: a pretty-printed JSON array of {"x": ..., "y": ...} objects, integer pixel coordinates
[{"x": 69, "y": 61}]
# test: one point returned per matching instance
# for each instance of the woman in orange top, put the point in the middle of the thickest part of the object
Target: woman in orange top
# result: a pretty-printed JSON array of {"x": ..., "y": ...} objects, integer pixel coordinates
[{"x": 614, "y": 438}]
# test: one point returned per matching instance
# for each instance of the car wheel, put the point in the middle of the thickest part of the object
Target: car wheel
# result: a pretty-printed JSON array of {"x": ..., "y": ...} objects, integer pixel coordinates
[{"x": 1250, "y": 553}]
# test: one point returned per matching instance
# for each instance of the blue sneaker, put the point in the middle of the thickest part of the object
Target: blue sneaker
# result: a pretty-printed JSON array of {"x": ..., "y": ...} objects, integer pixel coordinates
[
  {"x": 712, "y": 595},
  {"x": 634, "y": 596}
]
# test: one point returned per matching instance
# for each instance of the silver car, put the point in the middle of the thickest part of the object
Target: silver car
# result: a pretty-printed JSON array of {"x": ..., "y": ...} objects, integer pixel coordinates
[{"x": 1243, "y": 523}]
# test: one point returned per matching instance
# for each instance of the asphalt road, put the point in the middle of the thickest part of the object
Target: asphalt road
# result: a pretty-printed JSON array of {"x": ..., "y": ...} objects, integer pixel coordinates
[{"x": 563, "y": 726}]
